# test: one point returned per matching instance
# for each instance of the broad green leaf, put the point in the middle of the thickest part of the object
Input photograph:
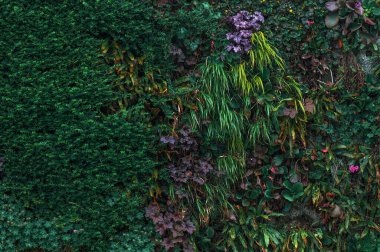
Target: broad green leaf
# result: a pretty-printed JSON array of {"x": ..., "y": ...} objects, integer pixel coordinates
[
  {"x": 376, "y": 11},
  {"x": 287, "y": 196},
  {"x": 210, "y": 232},
  {"x": 331, "y": 20}
]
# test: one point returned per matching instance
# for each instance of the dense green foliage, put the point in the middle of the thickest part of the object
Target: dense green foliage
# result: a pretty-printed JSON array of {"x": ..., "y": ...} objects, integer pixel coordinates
[
  {"x": 275, "y": 148},
  {"x": 72, "y": 174}
]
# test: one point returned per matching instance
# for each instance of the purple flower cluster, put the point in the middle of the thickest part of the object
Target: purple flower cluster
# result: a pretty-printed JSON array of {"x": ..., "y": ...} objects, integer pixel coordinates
[{"x": 245, "y": 24}]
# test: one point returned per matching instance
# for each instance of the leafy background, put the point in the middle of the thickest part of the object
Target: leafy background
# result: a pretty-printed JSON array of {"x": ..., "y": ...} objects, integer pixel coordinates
[{"x": 110, "y": 113}]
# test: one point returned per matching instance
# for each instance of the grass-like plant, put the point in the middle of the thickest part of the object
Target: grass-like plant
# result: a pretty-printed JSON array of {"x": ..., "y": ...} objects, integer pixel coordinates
[{"x": 241, "y": 106}]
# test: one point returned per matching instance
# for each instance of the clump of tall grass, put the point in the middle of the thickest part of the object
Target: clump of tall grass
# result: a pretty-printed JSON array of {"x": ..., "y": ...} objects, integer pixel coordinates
[{"x": 240, "y": 106}]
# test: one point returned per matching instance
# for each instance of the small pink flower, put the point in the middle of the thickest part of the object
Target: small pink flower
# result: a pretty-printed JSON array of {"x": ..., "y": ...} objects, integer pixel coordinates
[
  {"x": 274, "y": 170},
  {"x": 212, "y": 45},
  {"x": 325, "y": 150},
  {"x": 310, "y": 22},
  {"x": 244, "y": 186},
  {"x": 354, "y": 168}
]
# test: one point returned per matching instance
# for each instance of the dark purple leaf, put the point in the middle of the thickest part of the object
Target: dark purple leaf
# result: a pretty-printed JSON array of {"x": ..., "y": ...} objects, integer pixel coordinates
[
  {"x": 205, "y": 166},
  {"x": 177, "y": 217},
  {"x": 177, "y": 233},
  {"x": 188, "y": 226},
  {"x": 199, "y": 180},
  {"x": 166, "y": 242},
  {"x": 160, "y": 228},
  {"x": 167, "y": 139}
]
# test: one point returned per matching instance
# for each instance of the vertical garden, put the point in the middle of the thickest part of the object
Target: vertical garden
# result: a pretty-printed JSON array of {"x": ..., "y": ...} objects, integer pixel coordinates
[{"x": 183, "y": 125}]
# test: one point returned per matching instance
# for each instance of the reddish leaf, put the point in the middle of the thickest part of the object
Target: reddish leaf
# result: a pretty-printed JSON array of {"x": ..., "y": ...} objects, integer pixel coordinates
[
  {"x": 302, "y": 67},
  {"x": 340, "y": 43},
  {"x": 369, "y": 21},
  {"x": 306, "y": 56}
]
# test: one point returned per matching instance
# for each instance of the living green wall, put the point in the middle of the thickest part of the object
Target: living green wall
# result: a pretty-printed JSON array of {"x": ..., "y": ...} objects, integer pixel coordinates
[{"x": 89, "y": 88}]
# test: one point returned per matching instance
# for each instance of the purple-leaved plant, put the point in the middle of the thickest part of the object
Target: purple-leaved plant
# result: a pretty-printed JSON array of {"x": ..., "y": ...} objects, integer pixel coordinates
[
  {"x": 173, "y": 226},
  {"x": 244, "y": 24},
  {"x": 188, "y": 166}
]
